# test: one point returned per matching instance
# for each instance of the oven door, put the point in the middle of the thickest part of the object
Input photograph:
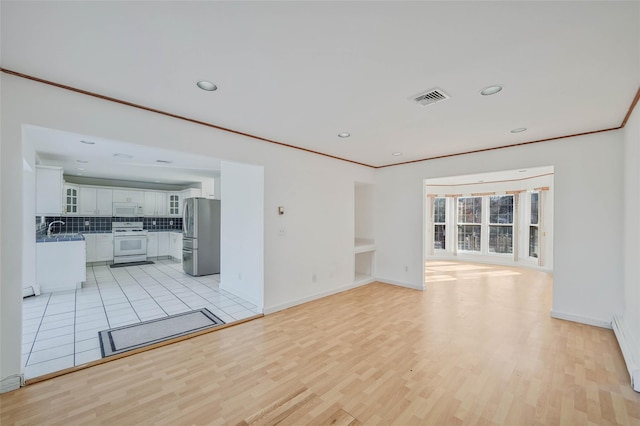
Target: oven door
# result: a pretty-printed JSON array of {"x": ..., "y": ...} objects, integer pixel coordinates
[{"x": 130, "y": 245}]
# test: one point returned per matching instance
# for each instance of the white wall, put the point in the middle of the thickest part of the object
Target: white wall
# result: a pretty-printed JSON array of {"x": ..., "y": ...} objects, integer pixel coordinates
[
  {"x": 242, "y": 232},
  {"x": 364, "y": 213},
  {"x": 630, "y": 318},
  {"x": 588, "y": 189},
  {"x": 316, "y": 191}
]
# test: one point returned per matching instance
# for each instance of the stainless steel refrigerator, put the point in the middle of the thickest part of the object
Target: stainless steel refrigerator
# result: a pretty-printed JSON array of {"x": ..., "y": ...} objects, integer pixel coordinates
[{"x": 201, "y": 236}]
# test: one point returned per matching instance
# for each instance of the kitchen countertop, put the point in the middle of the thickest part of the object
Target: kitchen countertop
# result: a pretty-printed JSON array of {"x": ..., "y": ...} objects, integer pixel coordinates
[
  {"x": 78, "y": 236},
  {"x": 61, "y": 237}
]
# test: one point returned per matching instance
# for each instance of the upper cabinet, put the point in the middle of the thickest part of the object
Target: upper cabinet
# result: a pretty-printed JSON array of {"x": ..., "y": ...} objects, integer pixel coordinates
[
  {"x": 128, "y": 196},
  {"x": 70, "y": 199},
  {"x": 49, "y": 190},
  {"x": 155, "y": 203},
  {"x": 174, "y": 200},
  {"x": 96, "y": 201}
]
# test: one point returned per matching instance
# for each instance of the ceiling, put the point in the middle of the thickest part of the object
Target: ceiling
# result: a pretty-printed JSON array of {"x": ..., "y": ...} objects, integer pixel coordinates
[
  {"x": 83, "y": 156},
  {"x": 299, "y": 73}
]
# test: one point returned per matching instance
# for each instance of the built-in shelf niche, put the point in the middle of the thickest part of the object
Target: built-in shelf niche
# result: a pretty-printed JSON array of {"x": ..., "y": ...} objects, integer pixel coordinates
[{"x": 364, "y": 243}]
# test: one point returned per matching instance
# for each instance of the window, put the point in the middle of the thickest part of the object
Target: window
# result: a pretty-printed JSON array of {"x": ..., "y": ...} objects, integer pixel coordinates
[
  {"x": 501, "y": 224},
  {"x": 534, "y": 225},
  {"x": 439, "y": 223},
  {"x": 469, "y": 223}
]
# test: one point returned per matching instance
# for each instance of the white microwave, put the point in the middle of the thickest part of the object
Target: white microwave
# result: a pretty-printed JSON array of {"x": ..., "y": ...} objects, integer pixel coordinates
[{"x": 127, "y": 210}]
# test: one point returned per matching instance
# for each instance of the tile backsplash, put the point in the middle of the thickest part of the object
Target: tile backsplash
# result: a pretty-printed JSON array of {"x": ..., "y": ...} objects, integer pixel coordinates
[{"x": 75, "y": 224}]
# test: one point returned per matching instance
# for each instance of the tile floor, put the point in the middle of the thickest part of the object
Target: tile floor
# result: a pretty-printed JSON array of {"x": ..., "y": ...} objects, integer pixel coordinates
[{"x": 60, "y": 330}]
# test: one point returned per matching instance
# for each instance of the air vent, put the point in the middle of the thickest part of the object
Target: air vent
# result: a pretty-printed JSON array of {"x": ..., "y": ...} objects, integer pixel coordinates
[{"x": 430, "y": 97}]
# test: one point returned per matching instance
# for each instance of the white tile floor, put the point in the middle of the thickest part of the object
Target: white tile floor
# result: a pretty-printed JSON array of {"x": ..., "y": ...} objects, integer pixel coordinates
[{"x": 60, "y": 330}]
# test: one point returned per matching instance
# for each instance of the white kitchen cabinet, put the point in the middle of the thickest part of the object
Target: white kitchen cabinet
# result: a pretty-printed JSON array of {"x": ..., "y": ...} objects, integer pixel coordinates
[
  {"x": 191, "y": 192},
  {"x": 99, "y": 247},
  {"x": 104, "y": 247},
  {"x": 128, "y": 196},
  {"x": 155, "y": 203},
  {"x": 152, "y": 244},
  {"x": 96, "y": 201},
  {"x": 60, "y": 266},
  {"x": 175, "y": 245},
  {"x": 163, "y": 244},
  {"x": 70, "y": 199},
  {"x": 174, "y": 204},
  {"x": 90, "y": 243},
  {"x": 49, "y": 187}
]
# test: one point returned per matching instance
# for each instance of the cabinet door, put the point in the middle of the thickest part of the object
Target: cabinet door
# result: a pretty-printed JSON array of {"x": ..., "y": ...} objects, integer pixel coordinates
[
  {"x": 88, "y": 199},
  {"x": 104, "y": 202},
  {"x": 90, "y": 243},
  {"x": 120, "y": 196},
  {"x": 104, "y": 247},
  {"x": 136, "y": 197},
  {"x": 174, "y": 204},
  {"x": 163, "y": 244},
  {"x": 152, "y": 245},
  {"x": 161, "y": 204},
  {"x": 149, "y": 204},
  {"x": 70, "y": 199},
  {"x": 175, "y": 245},
  {"x": 49, "y": 189}
]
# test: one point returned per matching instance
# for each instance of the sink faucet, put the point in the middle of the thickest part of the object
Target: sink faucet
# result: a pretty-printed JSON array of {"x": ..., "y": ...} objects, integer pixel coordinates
[{"x": 51, "y": 224}]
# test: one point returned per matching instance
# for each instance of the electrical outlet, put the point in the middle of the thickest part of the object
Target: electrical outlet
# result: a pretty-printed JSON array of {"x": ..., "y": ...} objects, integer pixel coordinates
[
  {"x": 153, "y": 222},
  {"x": 87, "y": 223},
  {"x": 282, "y": 232},
  {"x": 170, "y": 222}
]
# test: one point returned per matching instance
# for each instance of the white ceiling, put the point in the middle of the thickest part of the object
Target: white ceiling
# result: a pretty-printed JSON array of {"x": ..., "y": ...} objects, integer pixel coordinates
[
  {"x": 109, "y": 159},
  {"x": 302, "y": 72}
]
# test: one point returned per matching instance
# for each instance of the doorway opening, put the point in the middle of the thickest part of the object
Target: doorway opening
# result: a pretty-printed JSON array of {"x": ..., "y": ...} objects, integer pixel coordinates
[{"x": 500, "y": 218}]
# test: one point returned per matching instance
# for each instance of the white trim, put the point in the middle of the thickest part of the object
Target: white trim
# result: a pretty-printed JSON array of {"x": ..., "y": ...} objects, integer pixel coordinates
[
  {"x": 275, "y": 308},
  {"x": 630, "y": 351},
  {"x": 11, "y": 383},
  {"x": 580, "y": 319},
  {"x": 401, "y": 284}
]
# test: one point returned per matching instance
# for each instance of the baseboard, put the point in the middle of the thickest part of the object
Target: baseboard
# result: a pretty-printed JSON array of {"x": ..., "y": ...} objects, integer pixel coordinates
[
  {"x": 11, "y": 383},
  {"x": 580, "y": 319},
  {"x": 238, "y": 293},
  {"x": 630, "y": 350},
  {"x": 280, "y": 307},
  {"x": 400, "y": 284}
]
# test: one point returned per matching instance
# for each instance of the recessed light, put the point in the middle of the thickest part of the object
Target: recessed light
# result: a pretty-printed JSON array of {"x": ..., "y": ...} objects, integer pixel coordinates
[
  {"x": 164, "y": 161},
  {"x": 82, "y": 161},
  {"x": 480, "y": 181},
  {"x": 521, "y": 171},
  {"x": 491, "y": 90},
  {"x": 80, "y": 169},
  {"x": 88, "y": 142},
  {"x": 117, "y": 155},
  {"x": 156, "y": 181},
  {"x": 344, "y": 135},
  {"x": 519, "y": 130},
  {"x": 397, "y": 154},
  {"x": 207, "y": 85}
]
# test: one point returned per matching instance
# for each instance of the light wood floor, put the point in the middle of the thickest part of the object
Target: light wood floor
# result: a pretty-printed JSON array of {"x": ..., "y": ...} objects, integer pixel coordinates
[{"x": 478, "y": 347}]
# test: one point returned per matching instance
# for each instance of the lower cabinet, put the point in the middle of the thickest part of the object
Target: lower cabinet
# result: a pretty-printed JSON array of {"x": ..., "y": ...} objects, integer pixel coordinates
[
  {"x": 157, "y": 244},
  {"x": 99, "y": 247},
  {"x": 175, "y": 245},
  {"x": 163, "y": 244},
  {"x": 152, "y": 244}
]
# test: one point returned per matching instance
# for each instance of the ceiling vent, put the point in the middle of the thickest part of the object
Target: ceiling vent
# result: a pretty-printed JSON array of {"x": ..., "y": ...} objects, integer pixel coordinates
[{"x": 430, "y": 97}]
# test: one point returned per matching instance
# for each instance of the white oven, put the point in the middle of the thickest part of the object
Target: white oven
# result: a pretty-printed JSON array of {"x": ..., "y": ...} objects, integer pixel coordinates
[{"x": 129, "y": 242}]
